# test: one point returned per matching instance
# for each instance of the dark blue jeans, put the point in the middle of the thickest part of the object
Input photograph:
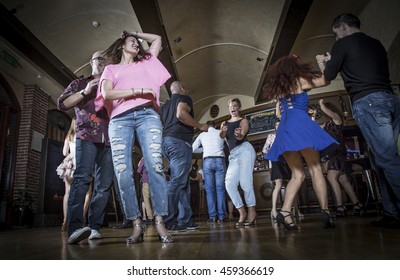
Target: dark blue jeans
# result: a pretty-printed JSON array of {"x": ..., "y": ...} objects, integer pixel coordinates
[
  {"x": 179, "y": 155},
  {"x": 214, "y": 170},
  {"x": 91, "y": 159},
  {"x": 378, "y": 116}
]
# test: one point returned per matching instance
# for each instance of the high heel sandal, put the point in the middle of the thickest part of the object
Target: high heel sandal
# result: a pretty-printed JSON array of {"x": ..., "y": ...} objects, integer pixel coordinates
[
  {"x": 341, "y": 211},
  {"x": 241, "y": 223},
  {"x": 251, "y": 223},
  {"x": 137, "y": 239},
  {"x": 358, "y": 209},
  {"x": 326, "y": 219},
  {"x": 280, "y": 218},
  {"x": 163, "y": 238}
]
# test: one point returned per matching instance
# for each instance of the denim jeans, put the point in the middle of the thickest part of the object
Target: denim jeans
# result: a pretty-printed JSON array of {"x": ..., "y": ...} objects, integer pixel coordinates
[
  {"x": 91, "y": 158},
  {"x": 144, "y": 124},
  {"x": 240, "y": 171},
  {"x": 179, "y": 155},
  {"x": 214, "y": 170},
  {"x": 378, "y": 116}
]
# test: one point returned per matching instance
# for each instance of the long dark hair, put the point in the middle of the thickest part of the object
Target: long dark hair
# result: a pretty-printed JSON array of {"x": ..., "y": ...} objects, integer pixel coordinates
[
  {"x": 282, "y": 77},
  {"x": 114, "y": 52}
]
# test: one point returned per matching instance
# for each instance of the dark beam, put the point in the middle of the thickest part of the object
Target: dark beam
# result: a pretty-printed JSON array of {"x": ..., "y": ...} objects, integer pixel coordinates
[
  {"x": 290, "y": 27},
  {"x": 13, "y": 31},
  {"x": 148, "y": 15}
]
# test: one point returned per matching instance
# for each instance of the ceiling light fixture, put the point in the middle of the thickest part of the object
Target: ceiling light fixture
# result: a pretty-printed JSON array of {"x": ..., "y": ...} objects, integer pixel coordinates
[
  {"x": 39, "y": 76},
  {"x": 95, "y": 24}
]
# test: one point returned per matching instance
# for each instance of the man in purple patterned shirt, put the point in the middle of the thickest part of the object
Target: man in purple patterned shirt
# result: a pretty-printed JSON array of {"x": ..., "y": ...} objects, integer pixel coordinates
[{"x": 93, "y": 154}]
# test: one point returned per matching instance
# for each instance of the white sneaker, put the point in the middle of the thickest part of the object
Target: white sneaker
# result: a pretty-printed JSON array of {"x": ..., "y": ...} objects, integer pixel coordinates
[
  {"x": 79, "y": 235},
  {"x": 95, "y": 234}
]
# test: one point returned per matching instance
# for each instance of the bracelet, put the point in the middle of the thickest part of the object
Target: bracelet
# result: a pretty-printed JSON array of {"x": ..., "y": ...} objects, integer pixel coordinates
[{"x": 83, "y": 93}]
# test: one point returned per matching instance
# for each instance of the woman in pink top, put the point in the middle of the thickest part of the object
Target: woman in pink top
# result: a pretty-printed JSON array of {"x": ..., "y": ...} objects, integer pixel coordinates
[{"x": 130, "y": 90}]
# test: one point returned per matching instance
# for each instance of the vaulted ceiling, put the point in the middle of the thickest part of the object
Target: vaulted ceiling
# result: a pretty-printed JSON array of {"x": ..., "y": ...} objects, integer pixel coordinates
[{"x": 220, "y": 48}]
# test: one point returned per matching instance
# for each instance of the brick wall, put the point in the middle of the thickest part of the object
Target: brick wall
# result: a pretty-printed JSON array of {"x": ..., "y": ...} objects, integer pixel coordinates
[{"x": 33, "y": 118}]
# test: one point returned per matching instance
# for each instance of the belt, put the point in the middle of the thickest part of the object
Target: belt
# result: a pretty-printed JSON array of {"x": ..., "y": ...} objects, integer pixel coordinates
[
  {"x": 142, "y": 107},
  {"x": 214, "y": 157}
]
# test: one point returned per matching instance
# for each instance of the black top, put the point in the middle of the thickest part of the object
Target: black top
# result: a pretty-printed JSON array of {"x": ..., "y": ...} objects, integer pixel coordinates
[
  {"x": 230, "y": 135},
  {"x": 172, "y": 125},
  {"x": 363, "y": 64},
  {"x": 334, "y": 130}
]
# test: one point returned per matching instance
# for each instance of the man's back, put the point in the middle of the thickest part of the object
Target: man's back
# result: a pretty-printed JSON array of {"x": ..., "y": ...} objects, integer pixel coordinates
[
  {"x": 363, "y": 64},
  {"x": 212, "y": 143},
  {"x": 172, "y": 125}
]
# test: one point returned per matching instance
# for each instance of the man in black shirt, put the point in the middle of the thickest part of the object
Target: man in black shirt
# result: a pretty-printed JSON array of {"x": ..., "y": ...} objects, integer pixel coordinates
[
  {"x": 177, "y": 117},
  {"x": 363, "y": 64}
]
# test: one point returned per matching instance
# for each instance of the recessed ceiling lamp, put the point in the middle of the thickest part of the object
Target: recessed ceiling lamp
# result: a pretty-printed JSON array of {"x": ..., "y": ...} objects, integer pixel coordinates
[
  {"x": 177, "y": 40},
  {"x": 95, "y": 24}
]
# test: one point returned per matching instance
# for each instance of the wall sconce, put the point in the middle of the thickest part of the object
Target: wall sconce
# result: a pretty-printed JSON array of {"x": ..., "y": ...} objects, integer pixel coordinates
[{"x": 95, "y": 24}]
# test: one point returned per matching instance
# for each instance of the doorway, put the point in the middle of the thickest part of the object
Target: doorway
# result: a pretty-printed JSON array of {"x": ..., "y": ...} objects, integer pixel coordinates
[{"x": 9, "y": 122}]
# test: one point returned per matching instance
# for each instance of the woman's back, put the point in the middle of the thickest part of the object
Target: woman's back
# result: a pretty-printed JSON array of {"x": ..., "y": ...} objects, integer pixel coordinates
[
  {"x": 297, "y": 130},
  {"x": 294, "y": 101}
]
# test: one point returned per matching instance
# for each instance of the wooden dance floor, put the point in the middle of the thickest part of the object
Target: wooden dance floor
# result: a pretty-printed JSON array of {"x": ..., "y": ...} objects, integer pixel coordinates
[{"x": 353, "y": 238}]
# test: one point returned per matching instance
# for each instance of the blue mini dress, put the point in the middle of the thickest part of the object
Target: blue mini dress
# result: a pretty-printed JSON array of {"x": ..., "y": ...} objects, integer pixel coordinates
[{"x": 298, "y": 131}]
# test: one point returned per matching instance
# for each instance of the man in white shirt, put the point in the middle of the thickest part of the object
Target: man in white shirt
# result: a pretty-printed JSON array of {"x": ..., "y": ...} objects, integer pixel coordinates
[{"x": 214, "y": 169}]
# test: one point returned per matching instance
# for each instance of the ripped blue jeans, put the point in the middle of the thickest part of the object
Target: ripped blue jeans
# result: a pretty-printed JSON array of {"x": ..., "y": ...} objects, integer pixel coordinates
[{"x": 144, "y": 124}]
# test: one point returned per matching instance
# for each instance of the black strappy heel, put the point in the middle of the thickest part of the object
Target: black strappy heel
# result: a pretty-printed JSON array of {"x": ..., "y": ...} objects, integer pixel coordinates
[
  {"x": 341, "y": 211},
  {"x": 326, "y": 219},
  {"x": 358, "y": 209},
  {"x": 280, "y": 218}
]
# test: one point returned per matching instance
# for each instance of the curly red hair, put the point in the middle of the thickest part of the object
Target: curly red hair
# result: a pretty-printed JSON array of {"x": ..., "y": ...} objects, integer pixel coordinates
[{"x": 282, "y": 77}]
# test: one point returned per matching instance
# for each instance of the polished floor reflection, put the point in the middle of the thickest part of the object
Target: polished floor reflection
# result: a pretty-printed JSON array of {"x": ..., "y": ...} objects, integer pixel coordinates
[{"x": 353, "y": 238}]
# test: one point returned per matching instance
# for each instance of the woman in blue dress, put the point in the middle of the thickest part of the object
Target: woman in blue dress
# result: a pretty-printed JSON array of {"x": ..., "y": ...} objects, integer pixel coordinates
[{"x": 298, "y": 138}]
